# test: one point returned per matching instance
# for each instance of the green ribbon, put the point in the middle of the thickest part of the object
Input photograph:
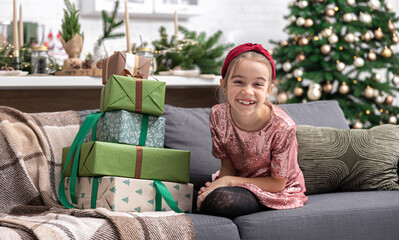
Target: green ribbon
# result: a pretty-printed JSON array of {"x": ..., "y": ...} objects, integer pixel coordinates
[
  {"x": 90, "y": 121},
  {"x": 94, "y": 189},
  {"x": 144, "y": 128},
  {"x": 160, "y": 192},
  {"x": 163, "y": 192}
]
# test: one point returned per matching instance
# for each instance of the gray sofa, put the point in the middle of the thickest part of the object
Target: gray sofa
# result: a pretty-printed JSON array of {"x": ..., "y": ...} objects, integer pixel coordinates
[{"x": 328, "y": 215}]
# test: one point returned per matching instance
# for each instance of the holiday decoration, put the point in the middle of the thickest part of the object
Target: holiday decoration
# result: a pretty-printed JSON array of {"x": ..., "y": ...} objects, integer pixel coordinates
[
  {"x": 371, "y": 56},
  {"x": 282, "y": 98},
  {"x": 359, "y": 62},
  {"x": 302, "y": 4},
  {"x": 386, "y": 53},
  {"x": 330, "y": 12},
  {"x": 369, "y": 92},
  {"x": 358, "y": 124},
  {"x": 194, "y": 50},
  {"x": 350, "y": 54},
  {"x": 298, "y": 91},
  {"x": 340, "y": 66},
  {"x": 344, "y": 88},
  {"x": 378, "y": 34},
  {"x": 308, "y": 23},
  {"x": 395, "y": 79},
  {"x": 71, "y": 36},
  {"x": 300, "y": 21},
  {"x": 287, "y": 66},
  {"x": 300, "y": 57},
  {"x": 347, "y": 17},
  {"x": 365, "y": 17},
  {"x": 283, "y": 43},
  {"x": 392, "y": 120},
  {"x": 389, "y": 100},
  {"x": 328, "y": 87},
  {"x": 366, "y": 37},
  {"x": 314, "y": 92},
  {"x": 303, "y": 42},
  {"x": 351, "y": 2},
  {"x": 109, "y": 25},
  {"x": 333, "y": 39},
  {"x": 374, "y": 4},
  {"x": 325, "y": 49}
]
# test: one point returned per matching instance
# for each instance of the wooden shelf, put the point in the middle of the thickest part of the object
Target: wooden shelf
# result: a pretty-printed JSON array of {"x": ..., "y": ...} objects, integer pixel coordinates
[{"x": 59, "y": 93}]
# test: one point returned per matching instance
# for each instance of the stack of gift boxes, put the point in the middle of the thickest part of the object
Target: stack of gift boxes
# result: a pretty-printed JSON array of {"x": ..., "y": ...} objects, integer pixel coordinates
[{"x": 122, "y": 164}]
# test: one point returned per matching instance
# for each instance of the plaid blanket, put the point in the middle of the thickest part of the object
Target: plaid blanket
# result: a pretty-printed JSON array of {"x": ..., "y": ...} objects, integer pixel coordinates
[{"x": 30, "y": 170}]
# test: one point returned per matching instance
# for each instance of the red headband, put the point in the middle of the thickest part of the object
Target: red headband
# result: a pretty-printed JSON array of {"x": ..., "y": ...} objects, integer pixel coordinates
[{"x": 247, "y": 47}]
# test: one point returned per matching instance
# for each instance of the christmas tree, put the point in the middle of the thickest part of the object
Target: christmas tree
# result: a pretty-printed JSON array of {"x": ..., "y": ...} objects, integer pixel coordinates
[{"x": 341, "y": 50}]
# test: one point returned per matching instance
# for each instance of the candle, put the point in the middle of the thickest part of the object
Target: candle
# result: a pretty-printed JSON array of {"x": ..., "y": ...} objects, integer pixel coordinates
[
  {"x": 21, "y": 27},
  {"x": 176, "y": 31},
  {"x": 15, "y": 29},
  {"x": 129, "y": 49}
]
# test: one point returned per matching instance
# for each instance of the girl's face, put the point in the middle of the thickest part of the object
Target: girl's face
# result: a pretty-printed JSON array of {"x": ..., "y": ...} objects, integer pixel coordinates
[{"x": 248, "y": 88}]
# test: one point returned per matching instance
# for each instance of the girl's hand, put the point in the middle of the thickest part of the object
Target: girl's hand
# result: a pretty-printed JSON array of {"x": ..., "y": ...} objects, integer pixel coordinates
[{"x": 209, "y": 187}]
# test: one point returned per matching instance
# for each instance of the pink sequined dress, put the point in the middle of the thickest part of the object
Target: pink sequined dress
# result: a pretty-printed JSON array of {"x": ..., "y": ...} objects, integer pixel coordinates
[{"x": 272, "y": 149}]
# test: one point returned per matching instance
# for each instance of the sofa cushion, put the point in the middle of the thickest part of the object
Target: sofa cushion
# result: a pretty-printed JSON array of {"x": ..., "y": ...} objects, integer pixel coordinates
[
  {"x": 188, "y": 129},
  {"x": 212, "y": 227},
  {"x": 348, "y": 160},
  {"x": 347, "y": 215},
  {"x": 325, "y": 113}
]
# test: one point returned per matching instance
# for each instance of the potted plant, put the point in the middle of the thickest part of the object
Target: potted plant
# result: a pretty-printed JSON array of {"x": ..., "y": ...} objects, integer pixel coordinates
[{"x": 71, "y": 37}]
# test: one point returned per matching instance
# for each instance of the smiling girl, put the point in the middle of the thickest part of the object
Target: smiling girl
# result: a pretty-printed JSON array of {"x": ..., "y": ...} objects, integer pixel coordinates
[{"x": 255, "y": 141}]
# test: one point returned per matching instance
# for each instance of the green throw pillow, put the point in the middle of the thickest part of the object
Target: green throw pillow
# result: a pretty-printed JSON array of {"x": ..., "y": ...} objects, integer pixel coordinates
[{"x": 348, "y": 160}]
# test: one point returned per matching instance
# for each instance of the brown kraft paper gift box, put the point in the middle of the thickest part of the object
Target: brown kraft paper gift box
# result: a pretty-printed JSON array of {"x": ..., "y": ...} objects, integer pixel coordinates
[{"x": 137, "y": 66}]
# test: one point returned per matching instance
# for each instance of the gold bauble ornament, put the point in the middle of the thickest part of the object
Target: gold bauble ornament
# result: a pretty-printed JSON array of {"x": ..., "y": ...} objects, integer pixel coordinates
[
  {"x": 308, "y": 23},
  {"x": 378, "y": 34},
  {"x": 366, "y": 37},
  {"x": 374, "y": 4},
  {"x": 314, "y": 92},
  {"x": 350, "y": 37},
  {"x": 350, "y": 2},
  {"x": 344, "y": 88},
  {"x": 392, "y": 120},
  {"x": 340, "y": 66},
  {"x": 388, "y": 6},
  {"x": 391, "y": 27},
  {"x": 379, "y": 99},
  {"x": 395, "y": 79},
  {"x": 325, "y": 49},
  {"x": 303, "y": 42},
  {"x": 389, "y": 100},
  {"x": 326, "y": 32},
  {"x": 298, "y": 91},
  {"x": 359, "y": 62},
  {"x": 300, "y": 21},
  {"x": 328, "y": 87},
  {"x": 330, "y": 12},
  {"x": 395, "y": 38},
  {"x": 300, "y": 57},
  {"x": 371, "y": 56},
  {"x": 347, "y": 17},
  {"x": 282, "y": 97},
  {"x": 387, "y": 52},
  {"x": 365, "y": 18},
  {"x": 333, "y": 39},
  {"x": 369, "y": 92},
  {"x": 284, "y": 43},
  {"x": 358, "y": 124},
  {"x": 302, "y": 4}
]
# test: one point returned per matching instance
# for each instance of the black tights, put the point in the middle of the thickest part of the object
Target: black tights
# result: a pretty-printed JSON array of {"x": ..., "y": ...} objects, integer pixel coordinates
[{"x": 231, "y": 202}]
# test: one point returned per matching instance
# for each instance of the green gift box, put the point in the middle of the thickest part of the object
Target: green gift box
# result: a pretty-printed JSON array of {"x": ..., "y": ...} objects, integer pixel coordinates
[
  {"x": 123, "y": 160},
  {"x": 129, "y": 128},
  {"x": 129, "y": 194},
  {"x": 133, "y": 94}
]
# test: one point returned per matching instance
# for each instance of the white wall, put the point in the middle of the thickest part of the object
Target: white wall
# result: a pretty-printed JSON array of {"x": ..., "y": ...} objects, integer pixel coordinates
[{"x": 240, "y": 21}]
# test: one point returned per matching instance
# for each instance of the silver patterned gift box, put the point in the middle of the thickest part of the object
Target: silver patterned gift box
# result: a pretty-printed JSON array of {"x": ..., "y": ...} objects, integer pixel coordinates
[
  {"x": 128, "y": 194},
  {"x": 129, "y": 128}
]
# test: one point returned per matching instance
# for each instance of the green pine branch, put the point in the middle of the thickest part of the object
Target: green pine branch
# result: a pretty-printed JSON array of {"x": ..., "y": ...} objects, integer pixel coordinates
[
  {"x": 109, "y": 25},
  {"x": 70, "y": 24}
]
